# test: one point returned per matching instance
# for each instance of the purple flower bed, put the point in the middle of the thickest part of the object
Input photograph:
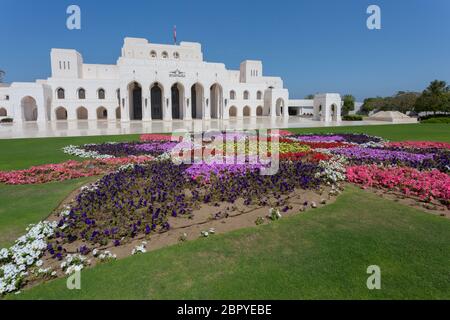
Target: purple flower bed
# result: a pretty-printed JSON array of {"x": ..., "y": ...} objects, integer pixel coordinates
[
  {"x": 140, "y": 201},
  {"x": 347, "y": 137},
  {"x": 358, "y": 155},
  {"x": 204, "y": 171},
  {"x": 440, "y": 161},
  {"x": 320, "y": 138},
  {"x": 155, "y": 147},
  {"x": 131, "y": 148}
]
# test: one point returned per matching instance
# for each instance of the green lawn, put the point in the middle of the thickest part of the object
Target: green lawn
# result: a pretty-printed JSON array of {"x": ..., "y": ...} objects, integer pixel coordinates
[
  {"x": 321, "y": 254},
  {"x": 24, "y": 153},
  {"x": 22, "y": 205}
]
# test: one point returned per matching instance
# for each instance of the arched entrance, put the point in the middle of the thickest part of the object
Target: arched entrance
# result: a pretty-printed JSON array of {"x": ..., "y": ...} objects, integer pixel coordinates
[
  {"x": 82, "y": 113},
  {"x": 118, "y": 113},
  {"x": 259, "y": 111},
  {"x": 156, "y": 93},
  {"x": 135, "y": 98},
  {"x": 29, "y": 109},
  {"x": 232, "y": 112},
  {"x": 197, "y": 94},
  {"x": 102, "y": 113},
  {"x": 61, "y": 113},
  {"x": 3, "y": 112},
  {"x": 246, "y": 112},
  {"x": 216, "y": 94},
  {"x": 177, "y": 101},
  {"x": 334, "y": 113},
  {"x": 279, "y": 107}
]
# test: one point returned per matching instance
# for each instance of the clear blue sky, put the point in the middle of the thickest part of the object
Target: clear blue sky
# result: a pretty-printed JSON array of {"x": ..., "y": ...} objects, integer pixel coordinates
[{"x": 314, "y": 45}]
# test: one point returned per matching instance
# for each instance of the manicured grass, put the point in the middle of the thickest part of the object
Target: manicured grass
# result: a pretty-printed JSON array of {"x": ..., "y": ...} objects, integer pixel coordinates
[
  {"x": 417, "y": 132},
  {"x": 320, "y": 254},
  {"x": 23, "y": 205},
  {"x": 24, "y": 153}
]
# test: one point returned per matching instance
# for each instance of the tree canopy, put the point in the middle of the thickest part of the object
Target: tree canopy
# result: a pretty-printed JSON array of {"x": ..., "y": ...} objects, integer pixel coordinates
[
  {"x": 349, "y": 104},
  {"x": 435, "y": 98}
]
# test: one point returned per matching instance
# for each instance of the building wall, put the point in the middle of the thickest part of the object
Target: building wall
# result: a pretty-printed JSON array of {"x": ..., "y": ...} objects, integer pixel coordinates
[{"x": 222, "y": 92}]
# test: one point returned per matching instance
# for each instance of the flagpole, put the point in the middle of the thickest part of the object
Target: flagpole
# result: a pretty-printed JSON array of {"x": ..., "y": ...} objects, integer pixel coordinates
[{"x": 175, "y": 34}]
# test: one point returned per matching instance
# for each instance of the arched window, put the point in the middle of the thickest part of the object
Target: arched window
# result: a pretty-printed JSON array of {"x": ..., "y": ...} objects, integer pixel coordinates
[
  {"x": 176, "y": 55},
  {"x": 246, "y": 95},
  {"x": 61, "y": 113},
  {"x": 102, "y": 113},
  {"x": 259, "y": 95},
  {"x": 61, "y": 94},
  {"x": 82, "y": 113},
  {"x": 81, "y": 94},
  {"x": 3, "y": 112},
  {"x": 153, "y": 54},
  {"x": 165, "y": 55},
  {"x": 101, "y": 94},
  {"x": 232, "y": 95},
  {"x": 259, "y": 111},
  {"x": 246, "y": 111},
  {"x": 233, "y": 112}
]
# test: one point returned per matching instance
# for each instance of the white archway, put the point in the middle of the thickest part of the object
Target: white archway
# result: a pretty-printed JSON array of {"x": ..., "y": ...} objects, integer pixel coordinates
[
  {"x": 259, "y": 111},
  {"x": 246, "y": 112},
  {"x": 61, "y": 113},
  {"x": 197, "y": 101},
  {"x": 177, "y": 98},
  {"x": 280, "y": 106},
  {"x": 135, "y": 100},
  {"x": 232, "y": 112},
  {"x": 216, "y": 94},
  {"x": 82, "y": 113},
  {"x": 102, "y": 113},
  {"x": 157, "y": 100},
  {"x": 29, "y": 109}
]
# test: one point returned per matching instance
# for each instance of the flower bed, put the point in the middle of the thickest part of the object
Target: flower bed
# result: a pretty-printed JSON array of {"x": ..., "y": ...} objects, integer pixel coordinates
[
  {"x": 370, "y": 154},
  {"x": 155, "y": 137},
  {"x": 139, "y": 201},
  {"x": 67, "y": 170},
  {"x": 426, "y": 185},
  {"x": 419, "y": 145}
]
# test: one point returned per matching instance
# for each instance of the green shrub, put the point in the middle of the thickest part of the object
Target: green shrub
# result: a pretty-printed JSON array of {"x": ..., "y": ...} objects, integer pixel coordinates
[
  {"x": 433, "y": 116},
  {"x": 6, "y": 120},
  {"x": 437, "y": 120},
  {"x": 352, "y": 117}
]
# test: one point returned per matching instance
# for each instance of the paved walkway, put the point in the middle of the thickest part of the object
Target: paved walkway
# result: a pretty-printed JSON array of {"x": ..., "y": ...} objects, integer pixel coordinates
[{"x": 95, "y": 128}]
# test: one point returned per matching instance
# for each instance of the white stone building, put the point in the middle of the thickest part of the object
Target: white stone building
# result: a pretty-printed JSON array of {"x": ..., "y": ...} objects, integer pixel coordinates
[{"x": 155, "y": 82}]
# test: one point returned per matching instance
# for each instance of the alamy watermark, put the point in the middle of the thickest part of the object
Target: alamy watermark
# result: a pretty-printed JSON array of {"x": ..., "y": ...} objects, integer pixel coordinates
[
  {"x": 73, "y": 21},
  {"x": 74, "y": 281},
  {"x": 374, "y": 20},
  {"x": 374, "y": 280},
  {"x": 259, "y": 148}
]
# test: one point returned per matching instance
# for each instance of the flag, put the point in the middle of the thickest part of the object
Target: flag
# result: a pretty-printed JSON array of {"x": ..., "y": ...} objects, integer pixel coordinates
[{"x": 175, "y": 34}]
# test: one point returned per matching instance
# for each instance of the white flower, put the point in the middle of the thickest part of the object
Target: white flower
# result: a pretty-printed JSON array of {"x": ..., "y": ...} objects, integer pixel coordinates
[
  {"x": 139, "y": 249},
  {"x": 274, "y": 214},
  {"x": 25, "y": 253},
  {"x": 74, "y": 263},
  {"x": 79, "y": 152}
]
